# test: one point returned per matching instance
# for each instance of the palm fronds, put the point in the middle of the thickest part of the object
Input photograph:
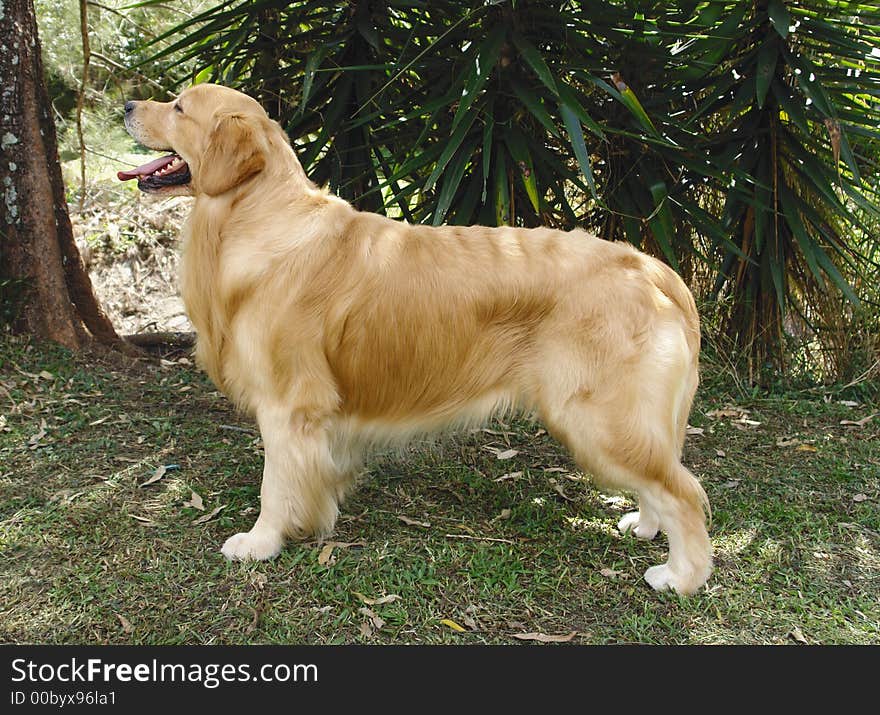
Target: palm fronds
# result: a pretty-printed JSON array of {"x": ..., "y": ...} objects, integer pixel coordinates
[{"x": 737, "y": 139}]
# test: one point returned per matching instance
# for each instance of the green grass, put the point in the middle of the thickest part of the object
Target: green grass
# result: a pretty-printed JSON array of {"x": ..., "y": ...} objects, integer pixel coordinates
[{"x": 796, "y": 527}]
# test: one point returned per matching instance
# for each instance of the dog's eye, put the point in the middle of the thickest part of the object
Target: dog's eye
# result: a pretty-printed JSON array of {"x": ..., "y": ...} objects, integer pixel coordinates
[{"x": 178, "y": 108}]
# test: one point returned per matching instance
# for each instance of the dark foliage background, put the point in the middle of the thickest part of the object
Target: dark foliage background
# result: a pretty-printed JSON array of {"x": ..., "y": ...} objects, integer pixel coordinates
[{"x": 736, "y": 139}]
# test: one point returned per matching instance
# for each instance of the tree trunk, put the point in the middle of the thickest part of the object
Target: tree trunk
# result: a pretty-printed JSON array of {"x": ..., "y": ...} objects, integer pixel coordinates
[{"x": 40, "y": 267}]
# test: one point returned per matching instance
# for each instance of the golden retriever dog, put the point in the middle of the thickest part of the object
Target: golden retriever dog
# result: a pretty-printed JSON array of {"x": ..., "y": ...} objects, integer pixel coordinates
[{"x": 339, "y": 330}]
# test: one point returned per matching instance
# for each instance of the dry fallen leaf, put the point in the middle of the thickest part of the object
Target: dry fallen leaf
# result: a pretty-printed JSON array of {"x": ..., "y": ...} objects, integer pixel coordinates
[
  {"x": 34, "y": 440},
  {"x": 390, "y": 598},
  {"x": 509, "y": 475},
  {"x": 126, "y": 624},
  {"x": 805, "y": 448},
  {"x": 195, "y": 501},
  {"x": 610, "y": 573},
  {"x": 325, "y": 557},
  {"x": 544, "y": 638},
  {"x": 470, "y": 623},
  {"x": 560, "y": 491},
  {"x": 157, "y": 475},
  {"x": 366, "y": 629},
  {"x": 375, "y": 619},
  {"x": 694, "y": 430},
  {"x": 751, "y": 423},
  {"x": 414, "y": 522},
  {"x": 730, "y": 484},
  {"x": 143, "y": 521},
  {"x": 260, "y": 580},
  {"x": 726, "y": 412},
  {"x": 255, "y": 621},
  {"x": 786, "y": 442},
  {"x": 47, "y": 375},
  {"x": 797, "y": 635},
  {"x": 860, "y": 497},
  {"x": 453, "y": 625},
  {"x": 720, "y": 453},
  {"x": 208, "y": 517},
  {"x": 858, "y": 423},
  {"x": 479, "y": 538},
  {"x": 65, "y": 495},
  {"x": 507, "y": 454}
]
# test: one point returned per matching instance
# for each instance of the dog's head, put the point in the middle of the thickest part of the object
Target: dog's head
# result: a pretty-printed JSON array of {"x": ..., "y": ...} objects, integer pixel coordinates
[{"x": 216, "y": 138}]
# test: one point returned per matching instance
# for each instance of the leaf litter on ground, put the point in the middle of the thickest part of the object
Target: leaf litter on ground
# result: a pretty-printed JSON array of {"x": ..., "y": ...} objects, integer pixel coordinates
[
  {"x": 326, "y": 557},
  {"x": 382, "y": 600},
  {"x": 449, "y": 623},
  {"x": 509, "y": 475},
  {"x": 375, "y": 620},
  {"x": 125, "y": 623},
  {"x": 157, "y": 475},
  {"x": 414, "y": 522},
  {"x": 211, "y": 515},
  {"x": 560, "y": 491},
  {"x": 545, "y": 638},
  {"x": 195, "y": 502},
  {"x": 34, "y": 441},
  {"x": 858, "y": 423}
]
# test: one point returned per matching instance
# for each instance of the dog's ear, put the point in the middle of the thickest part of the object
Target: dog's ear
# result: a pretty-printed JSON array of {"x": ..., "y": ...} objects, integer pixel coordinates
[{"x": 236, "y": 151}]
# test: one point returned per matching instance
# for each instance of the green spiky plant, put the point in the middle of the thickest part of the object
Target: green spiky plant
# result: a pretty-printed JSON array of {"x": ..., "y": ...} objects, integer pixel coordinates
[
  {"x": 736, "y": 139},
  {"x": 796, "y": 87}
]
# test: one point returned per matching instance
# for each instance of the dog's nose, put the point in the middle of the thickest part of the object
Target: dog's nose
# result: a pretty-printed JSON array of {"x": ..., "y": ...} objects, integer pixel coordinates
[{"x": 129, "y": 107}]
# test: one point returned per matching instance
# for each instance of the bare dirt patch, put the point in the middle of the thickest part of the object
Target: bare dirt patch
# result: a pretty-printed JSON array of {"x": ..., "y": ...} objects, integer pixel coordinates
[{"x": 131, "y": 247}]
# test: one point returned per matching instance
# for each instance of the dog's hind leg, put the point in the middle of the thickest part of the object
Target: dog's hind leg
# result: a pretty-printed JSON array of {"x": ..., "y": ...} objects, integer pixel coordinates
[
  {"x": 629, "y": 433},
  {"x": 630, "y": 455},
  {"x": 302, "y": 485}
]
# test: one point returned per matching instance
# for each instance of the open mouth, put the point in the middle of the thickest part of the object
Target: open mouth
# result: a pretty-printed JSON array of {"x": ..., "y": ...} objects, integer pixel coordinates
[{"x": 168, "y": 170}]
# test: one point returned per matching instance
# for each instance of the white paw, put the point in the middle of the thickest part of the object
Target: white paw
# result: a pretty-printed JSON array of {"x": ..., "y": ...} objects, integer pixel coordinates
[
  {"x": 632, "y": 522},
  {"x": 661, "y": 578},
  {"x": 252, "y": 545}
]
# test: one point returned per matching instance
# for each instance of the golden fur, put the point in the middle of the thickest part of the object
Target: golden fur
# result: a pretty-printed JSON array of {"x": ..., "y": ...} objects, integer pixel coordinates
[{"x": 338, "y": 329}]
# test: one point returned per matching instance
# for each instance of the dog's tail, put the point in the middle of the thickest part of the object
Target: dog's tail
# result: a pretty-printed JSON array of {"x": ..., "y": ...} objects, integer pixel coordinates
[{"x": 668, "y": 282}]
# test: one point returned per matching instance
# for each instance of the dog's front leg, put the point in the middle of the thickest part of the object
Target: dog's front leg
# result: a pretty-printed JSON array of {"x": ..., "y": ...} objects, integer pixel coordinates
[{"x": 301, "y": 484}]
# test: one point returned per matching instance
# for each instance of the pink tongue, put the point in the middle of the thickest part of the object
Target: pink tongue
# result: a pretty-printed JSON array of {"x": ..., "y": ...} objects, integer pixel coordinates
[{"x": 146, "y": 169}]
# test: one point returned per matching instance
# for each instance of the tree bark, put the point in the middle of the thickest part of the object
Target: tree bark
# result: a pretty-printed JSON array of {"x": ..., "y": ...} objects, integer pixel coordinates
[
  {"x": 81, "y": 97},
  {"x": 38, "y": 256}
]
